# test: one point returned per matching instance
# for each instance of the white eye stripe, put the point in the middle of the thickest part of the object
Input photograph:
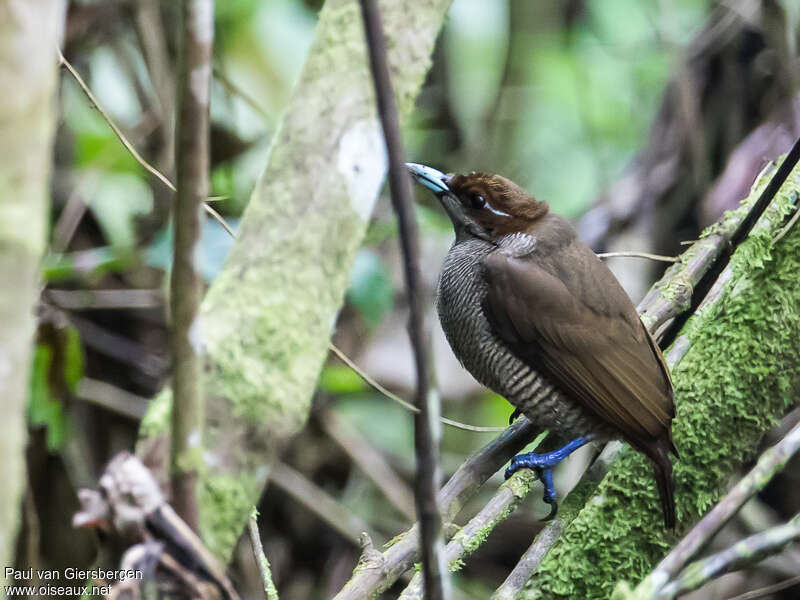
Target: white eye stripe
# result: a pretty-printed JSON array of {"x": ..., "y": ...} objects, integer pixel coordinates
[{"x": 496, "y": 211}]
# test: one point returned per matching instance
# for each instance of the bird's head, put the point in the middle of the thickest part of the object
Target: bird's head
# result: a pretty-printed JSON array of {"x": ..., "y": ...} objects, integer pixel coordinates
[{"x": 480, "y": 204}]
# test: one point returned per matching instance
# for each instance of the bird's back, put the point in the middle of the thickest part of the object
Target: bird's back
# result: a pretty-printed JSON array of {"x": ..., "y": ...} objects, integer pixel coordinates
[{"x": 461, "y": 295}]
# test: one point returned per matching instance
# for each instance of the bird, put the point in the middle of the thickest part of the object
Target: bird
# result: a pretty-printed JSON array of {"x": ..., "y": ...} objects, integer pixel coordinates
[{"x": 534, "y": 315}]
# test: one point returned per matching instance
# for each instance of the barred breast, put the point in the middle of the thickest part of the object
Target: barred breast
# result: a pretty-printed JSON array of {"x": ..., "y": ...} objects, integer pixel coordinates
[{"x": 461, "y": 291}]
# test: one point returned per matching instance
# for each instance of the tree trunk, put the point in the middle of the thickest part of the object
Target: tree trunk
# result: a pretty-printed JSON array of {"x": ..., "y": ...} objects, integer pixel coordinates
[
  {"x": 267, "y": 319},
  {"x": 30, "y": 31}
]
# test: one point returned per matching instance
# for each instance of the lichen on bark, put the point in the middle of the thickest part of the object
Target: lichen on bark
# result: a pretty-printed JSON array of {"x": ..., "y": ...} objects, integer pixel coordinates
[
  {"x": 739, "y": 376},
  {"x": 30, "y": 33},
  {"x": 267, "y": 318}
]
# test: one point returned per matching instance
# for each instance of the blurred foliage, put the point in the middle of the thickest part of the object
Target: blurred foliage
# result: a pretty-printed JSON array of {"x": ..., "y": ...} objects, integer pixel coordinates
[
  {"x": 371, "y": 291},
  {"x": 557, "y": 95},
  {"x": 49, "y": 380},
  {"x": 215, "y": 243}
]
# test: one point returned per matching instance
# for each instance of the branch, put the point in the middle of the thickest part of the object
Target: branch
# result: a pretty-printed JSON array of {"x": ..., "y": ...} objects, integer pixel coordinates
[
  {"x": 267, "y": 317},
  {"x": 346, "y": 523},
  {"x": 748, "y": 551},
  {"x": 771, "y": 462},
  {"x": 192, "y": 165},
  {"x": 370, "y": 461},
  {"x": 470, "y": 537},
  {"x": 427, "y": 431},
  {"x": 28, "y": 74},
  {"x": 723, "y": 407},
  {"x": 376, "y": 573},
  {"x": 770, "y": 589},
  {"x": 663, "y": 303},
  {"x": 261, "y": 558}
]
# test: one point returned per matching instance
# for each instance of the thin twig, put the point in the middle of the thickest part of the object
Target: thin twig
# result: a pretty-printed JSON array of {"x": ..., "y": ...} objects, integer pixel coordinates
[
  {"x": 112, "y": 398},
  {"x": 770, "y": 589},
  {"x": 105, "y": 299},
  {"x": 705, "y": 283},
  {"x": 152, "y": 39},
  {"x": 404, "y": 403},
  {"x": 658, "y": 257},
  {"x": 238, "y": 91},
  {"x": 744, "y": 553},
  {"x": 469, "y": 537},
  {"x": 192, "y": 167},
  {"x": 662, "y": 304},
  {"x": 370, "y": 461},
  {"x": 387, "y": 567},
  {"x": 787, "y": 228},
  {"x": 770, "y": 463},
  {"x": 654, "y": 304},
  {"x": 128, "y": 145},
  {"x": 318, "y": 501},
  {"x": 261, "y": 558},
  {"x": 426, "y": 426},
  {"x": 71, "y": 216}
]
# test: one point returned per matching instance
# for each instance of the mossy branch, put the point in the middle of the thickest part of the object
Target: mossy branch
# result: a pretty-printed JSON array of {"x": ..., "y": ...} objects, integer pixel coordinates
[
  {"x": 738, "y": 369},
  {"x": 662, "y": 305},
  {"x": 470, "y": 537},
  {"x": 771, "y": 462},
  {"x": 267, "y": 318},
  {"x": 745, "y": 553}
]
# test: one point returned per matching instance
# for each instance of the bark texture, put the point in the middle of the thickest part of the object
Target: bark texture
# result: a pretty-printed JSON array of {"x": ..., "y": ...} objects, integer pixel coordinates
[
  {"x": 192, "y": 160},
  {"x": 30, "y": 31},
  {"x": 267, "y": 318}
]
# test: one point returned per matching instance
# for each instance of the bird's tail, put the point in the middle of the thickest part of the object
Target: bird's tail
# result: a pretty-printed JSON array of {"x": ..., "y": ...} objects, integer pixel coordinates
[{"x": 666, "y": 487}]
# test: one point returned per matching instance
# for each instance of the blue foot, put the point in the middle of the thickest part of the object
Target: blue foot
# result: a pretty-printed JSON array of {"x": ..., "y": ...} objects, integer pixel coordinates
[{"x": 542, "y": 465}]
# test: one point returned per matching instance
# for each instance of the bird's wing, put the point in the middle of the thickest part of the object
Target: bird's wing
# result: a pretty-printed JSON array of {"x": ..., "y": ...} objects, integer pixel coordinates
[{"x": 579, "y": 329}]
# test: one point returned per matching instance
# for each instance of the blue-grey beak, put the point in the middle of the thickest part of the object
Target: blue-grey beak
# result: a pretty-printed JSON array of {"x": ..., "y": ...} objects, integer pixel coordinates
[{"x": 434, "y": 180}]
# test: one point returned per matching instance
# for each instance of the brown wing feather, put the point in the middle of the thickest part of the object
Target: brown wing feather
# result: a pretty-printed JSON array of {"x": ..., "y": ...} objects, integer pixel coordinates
[{"x": 580, "y": 330}]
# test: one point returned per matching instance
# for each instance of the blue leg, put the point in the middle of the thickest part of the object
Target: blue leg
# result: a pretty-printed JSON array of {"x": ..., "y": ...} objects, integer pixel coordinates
[{"x": 543, "y": 465}]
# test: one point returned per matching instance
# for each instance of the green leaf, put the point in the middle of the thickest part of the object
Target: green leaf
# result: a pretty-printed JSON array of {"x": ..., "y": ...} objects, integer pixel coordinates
[
  {"x": 215, "y": 243},
  {"x": 43, "y": 409},
  {"x": 116, "y": 200},
  {"x": 371, "y": 290},
  {"x": 94, "y": 262},
  {"x": 73, "y": 358},
  {"x": 340, "y": 379}
]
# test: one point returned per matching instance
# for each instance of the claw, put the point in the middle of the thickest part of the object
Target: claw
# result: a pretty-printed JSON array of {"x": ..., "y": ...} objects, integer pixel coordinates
[
  {"x": 553, "y": 511},
  {"x": 542, "y": 465},
  {"x": 514, "y": 416}
]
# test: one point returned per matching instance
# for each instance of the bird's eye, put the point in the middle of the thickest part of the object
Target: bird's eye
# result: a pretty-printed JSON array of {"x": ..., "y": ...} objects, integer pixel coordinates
[{"x": 477, "y": 201}]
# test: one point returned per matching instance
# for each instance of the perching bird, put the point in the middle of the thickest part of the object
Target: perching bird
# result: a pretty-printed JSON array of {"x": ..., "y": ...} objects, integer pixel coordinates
[{"x": 535, "y": 316}]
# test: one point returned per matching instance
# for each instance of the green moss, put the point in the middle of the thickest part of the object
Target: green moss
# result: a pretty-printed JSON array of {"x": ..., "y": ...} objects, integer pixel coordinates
[
  {"x": 222, "y": 521},
  {"x": 519, "y": 485},
  {"x": 157, "y": 418},
  {"x": 739, "y": 376},
  {"x": 267, "y": 319}
]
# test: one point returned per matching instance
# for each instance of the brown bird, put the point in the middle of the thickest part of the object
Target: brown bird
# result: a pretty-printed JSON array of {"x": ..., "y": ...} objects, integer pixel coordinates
[{"x": 534, "y": 315}]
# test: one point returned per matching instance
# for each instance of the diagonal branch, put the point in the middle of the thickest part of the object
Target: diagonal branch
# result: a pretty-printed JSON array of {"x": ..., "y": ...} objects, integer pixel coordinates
[
  {"x": 771, "y": 462},
  {"x": 267, "y": 317},
  {"x": 744, "y": 553},
  {"x": 667, "y": 298}
]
